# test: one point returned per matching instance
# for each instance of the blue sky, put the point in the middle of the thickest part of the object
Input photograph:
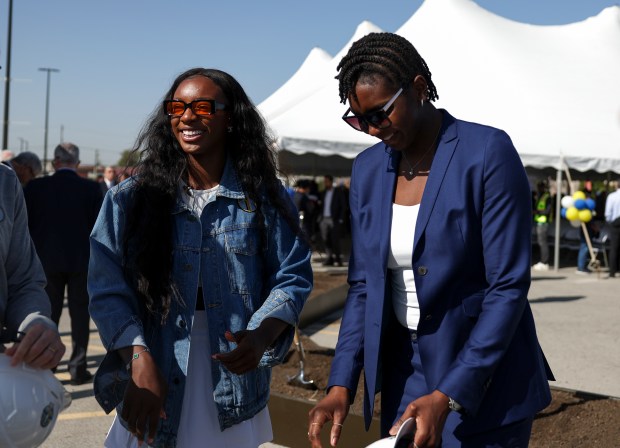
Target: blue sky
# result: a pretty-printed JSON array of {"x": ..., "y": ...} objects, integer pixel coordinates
[{"x": 117, "y": 58}]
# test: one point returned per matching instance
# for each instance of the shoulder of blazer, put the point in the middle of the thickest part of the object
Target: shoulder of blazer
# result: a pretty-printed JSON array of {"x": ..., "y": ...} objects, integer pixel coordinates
[{"x": 376, "y": 151}]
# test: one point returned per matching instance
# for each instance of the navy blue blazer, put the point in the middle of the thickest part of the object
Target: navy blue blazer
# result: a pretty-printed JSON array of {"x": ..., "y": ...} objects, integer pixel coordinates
[
  {"x": 62, "y": 210},
  {"x": 471, "y": 262}
]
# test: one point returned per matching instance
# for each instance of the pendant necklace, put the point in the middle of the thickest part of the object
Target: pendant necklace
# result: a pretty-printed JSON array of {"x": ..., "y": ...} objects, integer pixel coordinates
[{"x": 410, "y": 173}]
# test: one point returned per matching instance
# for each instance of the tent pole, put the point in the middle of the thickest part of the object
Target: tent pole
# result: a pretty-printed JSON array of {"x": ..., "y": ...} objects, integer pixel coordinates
[{"x": 558, "y": 209}]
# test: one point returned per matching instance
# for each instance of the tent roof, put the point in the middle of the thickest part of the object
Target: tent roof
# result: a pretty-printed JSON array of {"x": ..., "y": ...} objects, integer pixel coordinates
[
  {"x": 554, "y": 89},
  {"x": 318, "y": 69},
  {"x": 306, "y": 80}
]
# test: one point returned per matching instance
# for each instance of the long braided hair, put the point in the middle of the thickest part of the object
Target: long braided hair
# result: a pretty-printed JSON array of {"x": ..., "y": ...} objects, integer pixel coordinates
[
  {"x": 386, "y": 55},
  {"x": 147, "y": 243}
]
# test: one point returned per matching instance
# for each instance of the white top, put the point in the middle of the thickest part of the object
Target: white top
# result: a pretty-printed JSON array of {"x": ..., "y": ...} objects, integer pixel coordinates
[
  {"x": 197, "y": 200},
  {"x": 404, "y": 296},
  {"x": 199, "y": 420},
  {"x": 612, "y": 206},
  {"x": 327, "y": 203}
]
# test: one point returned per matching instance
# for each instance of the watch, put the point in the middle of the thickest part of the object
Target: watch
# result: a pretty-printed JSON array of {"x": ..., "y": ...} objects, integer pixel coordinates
[{"x": 456, "y": 407}]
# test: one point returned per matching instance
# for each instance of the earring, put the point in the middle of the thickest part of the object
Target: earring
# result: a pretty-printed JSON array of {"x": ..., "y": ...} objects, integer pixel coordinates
[
  {"x": 422, "y": 102},
  {"x": 229, "y": 129}
]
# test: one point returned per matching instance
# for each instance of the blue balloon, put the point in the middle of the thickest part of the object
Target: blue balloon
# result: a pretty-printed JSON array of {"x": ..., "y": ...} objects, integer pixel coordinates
[
  {"x": 579, "y": 204},
  {"x": 590, "y": 204},
  {"x": 563, "y": 212}
]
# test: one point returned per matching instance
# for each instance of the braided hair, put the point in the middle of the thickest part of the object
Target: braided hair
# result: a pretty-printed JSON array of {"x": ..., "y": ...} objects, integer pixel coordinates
[{"x": 385, "y": 55}]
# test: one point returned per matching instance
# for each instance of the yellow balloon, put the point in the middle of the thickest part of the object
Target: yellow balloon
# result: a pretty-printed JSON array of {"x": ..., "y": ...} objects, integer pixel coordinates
[
  {"x": 585, "y": 215},
  {"x": 572, "y": 213},
  {"x": 579, "y": 195}
]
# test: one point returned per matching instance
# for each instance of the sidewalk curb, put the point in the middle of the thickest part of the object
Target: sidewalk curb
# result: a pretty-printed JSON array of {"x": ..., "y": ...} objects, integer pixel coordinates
[{"x": 323, "y": 305}]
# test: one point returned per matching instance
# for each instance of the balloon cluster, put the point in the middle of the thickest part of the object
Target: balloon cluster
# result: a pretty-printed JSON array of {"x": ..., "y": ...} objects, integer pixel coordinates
[{"x": 578, "y": 208}]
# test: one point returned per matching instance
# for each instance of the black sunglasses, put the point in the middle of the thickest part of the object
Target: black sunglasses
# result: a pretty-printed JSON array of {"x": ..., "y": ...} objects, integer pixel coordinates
[
  {"x": 378, "y": 119},
  {"x": 200, "y": 107}
]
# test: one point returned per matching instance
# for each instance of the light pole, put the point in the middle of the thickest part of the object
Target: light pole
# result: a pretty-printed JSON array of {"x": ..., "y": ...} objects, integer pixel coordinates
[
  {"x": 47, "y": 113},
  {"x": 7, "y": 86}
]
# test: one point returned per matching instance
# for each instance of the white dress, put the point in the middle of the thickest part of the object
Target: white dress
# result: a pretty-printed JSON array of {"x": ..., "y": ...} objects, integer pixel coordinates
[{"x": 199, "y": 426}]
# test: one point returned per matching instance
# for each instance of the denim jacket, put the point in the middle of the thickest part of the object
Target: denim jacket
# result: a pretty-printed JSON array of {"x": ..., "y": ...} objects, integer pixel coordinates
[{"x": 243, "y": 281}]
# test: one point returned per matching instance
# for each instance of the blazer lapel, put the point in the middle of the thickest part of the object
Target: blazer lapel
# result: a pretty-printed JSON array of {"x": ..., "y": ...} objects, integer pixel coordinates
[
  {"x": 388, "y": 183},
  {"x": 447, "y": 144}
]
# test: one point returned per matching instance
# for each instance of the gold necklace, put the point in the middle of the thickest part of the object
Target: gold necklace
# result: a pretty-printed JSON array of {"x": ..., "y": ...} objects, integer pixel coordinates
[{"x": 412, "y": 168}]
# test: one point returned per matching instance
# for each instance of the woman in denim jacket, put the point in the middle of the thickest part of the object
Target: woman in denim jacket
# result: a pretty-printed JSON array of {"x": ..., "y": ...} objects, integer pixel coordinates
[{"x": 198, "y": 274}]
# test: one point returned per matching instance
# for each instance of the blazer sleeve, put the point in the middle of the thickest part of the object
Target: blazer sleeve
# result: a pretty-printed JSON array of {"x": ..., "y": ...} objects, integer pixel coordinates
[
  {"x": 349, "y": 356},
  {"x": 506, "y": 229}
]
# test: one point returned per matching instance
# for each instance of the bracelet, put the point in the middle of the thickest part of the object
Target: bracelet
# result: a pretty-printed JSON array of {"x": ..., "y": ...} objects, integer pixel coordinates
[{"x": 134, "y": 357}]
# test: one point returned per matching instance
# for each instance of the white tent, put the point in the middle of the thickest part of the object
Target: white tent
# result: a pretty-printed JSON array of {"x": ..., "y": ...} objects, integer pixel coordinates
[
  {"x": 309, "y": 77},
  {"x": 554, "y": 89},
  {"x": 296, "y": 125}
]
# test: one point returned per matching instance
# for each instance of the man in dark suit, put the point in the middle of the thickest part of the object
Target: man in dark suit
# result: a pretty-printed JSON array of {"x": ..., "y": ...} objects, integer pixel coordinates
[
  {"x": 62, "y": 210},
  {"x": 334, "y": 210},
  {"x": 27, "y": 166},
  {"x": 109, "y": 179}
]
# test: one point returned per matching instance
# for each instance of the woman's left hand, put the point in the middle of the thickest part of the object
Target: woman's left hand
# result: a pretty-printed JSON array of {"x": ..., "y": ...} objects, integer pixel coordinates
[
  {"x": 251, "y": 345},
  {"x": 430, "y": 413}
]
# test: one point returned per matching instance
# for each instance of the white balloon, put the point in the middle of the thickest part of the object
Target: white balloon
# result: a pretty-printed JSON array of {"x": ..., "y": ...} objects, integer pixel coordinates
[
  {"x": 575, "y": 223},
  {"x": 567, "y": 201}
]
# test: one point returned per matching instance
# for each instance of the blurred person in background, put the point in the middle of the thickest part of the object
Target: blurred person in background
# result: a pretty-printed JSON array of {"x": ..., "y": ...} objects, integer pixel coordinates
[
  {"x": 333, "y": 206},
  {"x": 62, "y": 209},
  {"x": 109, "y": 179},
  {"x": 541, "y": 212},
  {"x": 612, "y": 216},
  {"x": 27, "y": 166}
]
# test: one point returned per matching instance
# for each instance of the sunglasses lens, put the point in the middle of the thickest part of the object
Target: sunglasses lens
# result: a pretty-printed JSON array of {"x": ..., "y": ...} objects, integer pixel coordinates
[
  {"x": 354, "y": 122},
  {"x": 175, "y": 108},
  {"x": 202, "y": 108},
  {"x": 378, "y": 119}
]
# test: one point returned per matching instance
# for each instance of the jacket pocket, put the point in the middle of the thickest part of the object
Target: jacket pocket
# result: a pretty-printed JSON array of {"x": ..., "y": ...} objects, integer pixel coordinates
[{"x": 242, "y": 259}]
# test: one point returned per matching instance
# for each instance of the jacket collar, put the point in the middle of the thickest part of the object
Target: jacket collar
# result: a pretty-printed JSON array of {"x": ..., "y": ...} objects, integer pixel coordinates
[
  {"x": 445, "y": 151},
  {"x": 229, "y": 187},
  {"x": 448, "y": 139}
]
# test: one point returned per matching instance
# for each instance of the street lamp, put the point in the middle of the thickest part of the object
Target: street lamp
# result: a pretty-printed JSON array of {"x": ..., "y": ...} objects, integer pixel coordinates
[
  {"x": 47, "y": 113},
  {"x": 7, "y": 86}
]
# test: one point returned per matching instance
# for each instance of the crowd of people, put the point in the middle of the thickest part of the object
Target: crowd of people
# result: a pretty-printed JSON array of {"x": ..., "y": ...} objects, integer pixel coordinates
[
  {"x": 597, "y": 235},
  {"x": 324, "y": 216},
  {"x": 195, "y": 269}
]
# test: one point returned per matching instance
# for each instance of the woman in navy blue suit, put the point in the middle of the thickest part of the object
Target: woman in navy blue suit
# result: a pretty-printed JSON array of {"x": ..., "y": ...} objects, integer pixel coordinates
[{"x": 437, "y": 314}]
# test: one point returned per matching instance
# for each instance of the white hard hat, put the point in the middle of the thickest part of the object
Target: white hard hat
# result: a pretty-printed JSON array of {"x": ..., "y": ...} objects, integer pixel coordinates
[
  {"x": 400, "y": 440},
  {"x": 30, "y": 401}
]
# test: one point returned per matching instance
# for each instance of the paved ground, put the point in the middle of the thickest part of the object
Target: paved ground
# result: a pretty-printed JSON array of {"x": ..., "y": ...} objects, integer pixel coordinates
[{"x": 577, "y": 318}]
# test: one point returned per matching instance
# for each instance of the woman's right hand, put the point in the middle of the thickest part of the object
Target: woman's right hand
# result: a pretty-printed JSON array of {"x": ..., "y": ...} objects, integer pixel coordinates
[
  {"x": 334, "y": 407},
  {"x": 143, "y": 403}
]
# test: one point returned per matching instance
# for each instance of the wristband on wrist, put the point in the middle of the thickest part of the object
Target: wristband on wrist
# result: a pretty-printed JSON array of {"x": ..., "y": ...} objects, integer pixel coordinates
[
  {"x": 455, "y": 406},
  {"x": 134, "y": 357}
]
